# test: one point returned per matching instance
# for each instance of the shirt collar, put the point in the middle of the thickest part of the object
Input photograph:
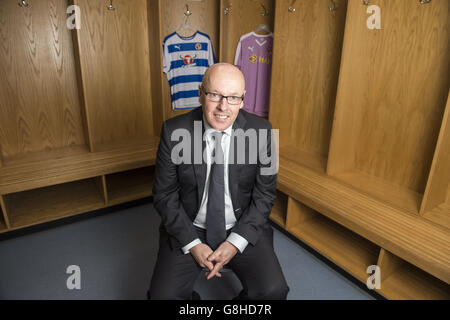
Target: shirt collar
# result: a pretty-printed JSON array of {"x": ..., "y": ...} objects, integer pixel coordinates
[{"x": 227, "y": 131}]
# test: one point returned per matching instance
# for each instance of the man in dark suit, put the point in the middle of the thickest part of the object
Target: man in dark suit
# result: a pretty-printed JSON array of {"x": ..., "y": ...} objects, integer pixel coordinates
[{"x": 215, "y": 185}]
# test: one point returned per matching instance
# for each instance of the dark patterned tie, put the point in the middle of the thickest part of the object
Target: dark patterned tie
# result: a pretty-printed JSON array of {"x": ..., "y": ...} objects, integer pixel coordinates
[{"x": 215, "y": 214}]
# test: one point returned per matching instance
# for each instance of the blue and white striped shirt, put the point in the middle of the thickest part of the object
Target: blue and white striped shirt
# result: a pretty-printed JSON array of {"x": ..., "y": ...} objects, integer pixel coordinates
[{"x": 185, "y": 60}]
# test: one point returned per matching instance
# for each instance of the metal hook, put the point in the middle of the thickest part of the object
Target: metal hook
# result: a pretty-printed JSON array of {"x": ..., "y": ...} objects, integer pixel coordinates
[
  {"x": 291, "y": 7},
  {"x": 110, "y": 6},
  {"x": 187, "y": 13},
  {"x": 366, "y": 2},
  {"x": 228, "y": 9},
  {"x": 23, "y": 3},
  {"x": 334, "y": 6},
  {"x": 424, "y": 1},
  {"x": 265, "y": 12}
]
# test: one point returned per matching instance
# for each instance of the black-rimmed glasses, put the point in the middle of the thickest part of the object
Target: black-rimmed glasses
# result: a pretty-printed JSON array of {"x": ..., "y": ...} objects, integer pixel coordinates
[{"x": 216, "y": 97}]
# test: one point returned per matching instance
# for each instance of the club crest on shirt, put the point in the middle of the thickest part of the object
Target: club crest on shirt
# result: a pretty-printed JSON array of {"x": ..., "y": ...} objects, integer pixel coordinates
[
  {"x": 198, "y": 46},
  {"x": 188, "y": 60}
]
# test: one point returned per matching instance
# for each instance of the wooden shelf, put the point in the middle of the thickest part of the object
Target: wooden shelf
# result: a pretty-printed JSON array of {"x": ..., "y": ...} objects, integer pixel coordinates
[
  {"x": 50, "y": 203},
  {"x": 412, "y": 283},
  {"x": 279, "y": 210},
  {"x": 401, "y": 280},
  {"x": 345, "y": 248},
  {"x": 401, "y": 197},
  {"x": 310, "y": 160},
  {"x": 129, "y": 185}
]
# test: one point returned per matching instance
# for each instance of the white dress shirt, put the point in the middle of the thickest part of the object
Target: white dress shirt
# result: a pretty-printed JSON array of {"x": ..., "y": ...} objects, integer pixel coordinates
[{"x": 230, "y": 219}]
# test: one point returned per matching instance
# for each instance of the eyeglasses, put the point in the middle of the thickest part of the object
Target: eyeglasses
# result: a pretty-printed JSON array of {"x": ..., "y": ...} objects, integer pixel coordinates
[{"x": 215, "y": 97}]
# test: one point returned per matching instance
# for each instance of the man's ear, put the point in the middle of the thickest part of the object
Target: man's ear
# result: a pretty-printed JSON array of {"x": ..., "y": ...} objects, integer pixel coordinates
[
  {"x": 242, "y": 103},
  {"x": 200, "y": 97}
]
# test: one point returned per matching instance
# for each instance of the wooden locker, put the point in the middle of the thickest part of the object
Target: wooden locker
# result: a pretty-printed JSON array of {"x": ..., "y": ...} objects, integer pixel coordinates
[
  {"x": 40, "y": 110},
  {"x": 307, "y": 52},
  {"x": 393, "y": 85},
  {"x": 115, "y": 71}
]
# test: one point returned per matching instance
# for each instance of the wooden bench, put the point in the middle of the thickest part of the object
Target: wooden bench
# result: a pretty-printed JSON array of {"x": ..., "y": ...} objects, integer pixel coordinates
[{"x": 45, "y": 186}]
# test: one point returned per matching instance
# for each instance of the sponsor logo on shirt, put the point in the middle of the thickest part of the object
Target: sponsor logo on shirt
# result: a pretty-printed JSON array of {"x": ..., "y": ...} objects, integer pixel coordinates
[
  {"x": 257, "y": 59},
  {"x": 188, "y": 60}
]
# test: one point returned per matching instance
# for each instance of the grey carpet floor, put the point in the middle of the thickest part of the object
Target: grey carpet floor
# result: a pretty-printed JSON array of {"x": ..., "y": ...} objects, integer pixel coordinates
[{"x": 116, "y": 253}]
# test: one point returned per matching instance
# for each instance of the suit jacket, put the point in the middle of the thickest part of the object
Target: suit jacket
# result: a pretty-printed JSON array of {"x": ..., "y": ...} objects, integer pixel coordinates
[{"x": 178, "y": 188}]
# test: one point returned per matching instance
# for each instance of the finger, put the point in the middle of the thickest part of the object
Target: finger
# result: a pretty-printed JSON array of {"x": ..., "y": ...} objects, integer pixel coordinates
[
  {"x": 210, "y": 275},
  {"x": 209, "y": 265},
  {"x": 212, "y": 256},
  {"x": 215, "y": 271}
]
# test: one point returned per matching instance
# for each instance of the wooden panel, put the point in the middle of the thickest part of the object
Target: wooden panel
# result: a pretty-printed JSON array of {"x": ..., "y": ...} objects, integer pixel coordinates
[
  {"x": 243, "y": 16},
  {"x": 50, "y": 203},
  {"x": 115, "y": 67},
  {"x": 438, "y": 183},
  {"x": 388, "y": 264},
  {"x": 441, "y": 213},
  {"x": 307, "y": 51},
  {"x": 204, "y": 18},
  {"x": 5, "y": 222},
  {"x": 402, "y": 281},
  {"x": 345, "y": 248},
  {"x": 39, "y": 102},
  {"x": 392, "y": 90},
  {"x": 298, "y": 214},
  {"x": 279, "y": 209},
  {"x": 100, "y": 183},
  {"x": 154, "y": 27},
  {"x": 404, "y": 199},
  {"x": 130, "y": 185}
]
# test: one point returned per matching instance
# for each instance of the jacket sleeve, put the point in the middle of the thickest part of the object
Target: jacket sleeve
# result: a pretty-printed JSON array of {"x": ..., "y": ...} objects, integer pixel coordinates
[
  {"x": 253, "y": 220},
  {"x": 166, "y": 194}
]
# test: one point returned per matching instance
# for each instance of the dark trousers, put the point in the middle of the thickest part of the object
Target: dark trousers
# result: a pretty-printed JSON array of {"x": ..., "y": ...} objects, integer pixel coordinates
[{"x": 257, "y": 268}]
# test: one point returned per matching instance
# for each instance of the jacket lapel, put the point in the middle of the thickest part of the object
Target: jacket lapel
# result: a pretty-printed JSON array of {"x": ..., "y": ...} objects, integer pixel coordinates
[{"x": 198, "y": 163}]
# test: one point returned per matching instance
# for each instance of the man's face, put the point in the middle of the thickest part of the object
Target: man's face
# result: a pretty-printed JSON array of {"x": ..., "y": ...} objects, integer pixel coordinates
[{"x": 226, "y": 82}]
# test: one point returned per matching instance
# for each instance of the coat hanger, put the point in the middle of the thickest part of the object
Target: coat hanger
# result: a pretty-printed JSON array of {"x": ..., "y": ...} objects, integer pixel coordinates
[
  {"x": 263, "y": 27},
  {"x": 186, "y": 26}
]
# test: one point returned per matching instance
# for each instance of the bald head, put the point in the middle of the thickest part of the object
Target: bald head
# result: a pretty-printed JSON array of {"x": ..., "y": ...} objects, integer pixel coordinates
[{"x": 223, "y": 70}]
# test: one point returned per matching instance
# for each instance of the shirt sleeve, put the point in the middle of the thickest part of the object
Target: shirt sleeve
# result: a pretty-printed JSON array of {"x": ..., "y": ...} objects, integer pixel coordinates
[
  {"x": 166, "y": 58},
  {"x": 211, "y": 57},
  {"x": 190, "y": 245},
  {"x": 237, "y": 56},
  {"x": 237, "y": 241}
]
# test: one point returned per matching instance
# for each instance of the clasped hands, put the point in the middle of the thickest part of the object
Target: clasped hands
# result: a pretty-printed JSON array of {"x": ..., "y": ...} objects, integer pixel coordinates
[{"x": 213, "y": 260}]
